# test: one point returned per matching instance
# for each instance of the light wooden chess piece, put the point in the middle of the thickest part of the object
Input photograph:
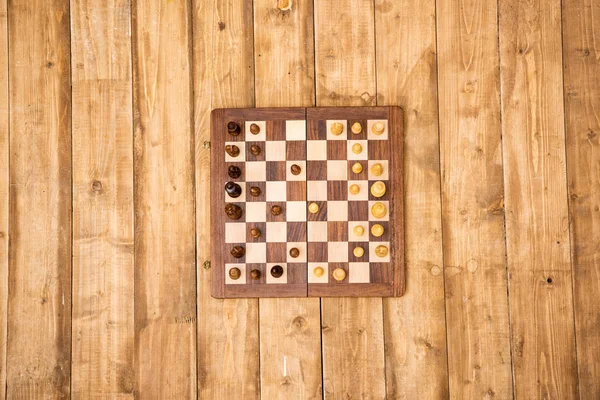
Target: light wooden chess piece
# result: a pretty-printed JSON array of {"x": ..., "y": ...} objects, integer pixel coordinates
[
  {"x": 337, "y": 128},
  {"x": 378, "y": 128},
  {"x": 356, "y": 128},
  {"x": 379, "y": 210}
]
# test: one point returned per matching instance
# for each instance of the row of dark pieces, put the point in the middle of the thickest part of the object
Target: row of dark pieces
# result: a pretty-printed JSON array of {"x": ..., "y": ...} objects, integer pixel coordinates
[
  {"x": 276, "y": 272},
  {"x": 233, "y": 211},
  {"x": 234, "y": 128}
]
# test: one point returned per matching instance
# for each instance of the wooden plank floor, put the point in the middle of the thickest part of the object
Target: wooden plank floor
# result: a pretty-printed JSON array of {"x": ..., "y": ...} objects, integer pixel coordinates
[{"x": 105, "y": 219}]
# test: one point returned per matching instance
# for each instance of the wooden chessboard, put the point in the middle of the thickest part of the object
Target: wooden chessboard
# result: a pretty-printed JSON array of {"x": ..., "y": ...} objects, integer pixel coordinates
[{"x": 298, "y": 163}]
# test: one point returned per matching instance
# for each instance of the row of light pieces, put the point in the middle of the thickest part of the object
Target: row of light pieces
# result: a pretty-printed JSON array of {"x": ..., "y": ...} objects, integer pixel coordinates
[
  {"x": 378, "y": 209},
  {"x": 337, "y": 128}
]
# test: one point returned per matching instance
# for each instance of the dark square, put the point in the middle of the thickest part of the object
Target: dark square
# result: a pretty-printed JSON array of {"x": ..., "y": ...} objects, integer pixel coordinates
[
  {"x": 317, "y": 251},
  {"x": 316, "y": 170},
  {"x": 276, "y": 252},
  {"x": 295, "y": 150},
  {"x": 252, "y": 157},
  {"x": 296, "y": 272},
  {"x": 320, "y": 215},
  {"x": 261, "y": 186},
  {"x": 337, "y": 150},
  {"x": 379, "y": 149},
  {"x": 352, "y": 246},
  {"x": 337, "y": 231},
  {"x": 386, "y": 231},
  {"x": 296, "y": 231},
  {"x": 261, "y": 226},
  {"x": 296, "y": 190},
  {"x": 337, "y": 190},
  {"x": 312, "y": 130},
  {"x": 276, "y": 170},
  {"x": 363, "y": 176},
  {"x": 275, "y": 130},
  {"x": 276, "y": 218},
  {"x": 380, "y": 272},
  {"x": 358, "y": 210}
]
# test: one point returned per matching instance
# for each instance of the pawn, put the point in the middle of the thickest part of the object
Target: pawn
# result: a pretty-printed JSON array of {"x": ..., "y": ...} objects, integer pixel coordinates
[
  {"x": 294, "y": 252},
  {"x": 378, "y": 189},
  {"x": 255, "y": 233},
  {"x": 379, "y": 210},
  {"x": 232, "y": 150},
  {"x": 233, "y": 211},
  {"x": 337, "y": 128},
  {"x": 339, "y": 274},
  {"x": 295, "y": 169},
  {"x": 276, "y": 210},
  {"x": 233, "y": 189},
  {"x": 235, "y": 273},
  {"x": 255, "y": 191},
  {"x": 234, "y": 172},
  {"x": 356, "y": 128},
  {"x": 255, "y": 274},
  {"x": 238, "y": 251},
  {"x": 254, "y": 149},
  {"x": 233, "y": 128},
  {"x": 354, "y": 188},
  {"x": 254, "y": 129},
  {"x": 277, "y": 271}
]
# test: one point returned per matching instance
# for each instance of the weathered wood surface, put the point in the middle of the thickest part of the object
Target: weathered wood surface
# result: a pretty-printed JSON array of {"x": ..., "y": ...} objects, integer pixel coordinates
[{"x": 4, "y": 192}]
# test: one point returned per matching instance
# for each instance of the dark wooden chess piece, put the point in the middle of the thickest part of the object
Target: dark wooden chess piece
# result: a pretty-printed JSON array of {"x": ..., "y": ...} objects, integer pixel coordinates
[
  {"x": 234, "y": 172},
  {"x": 233, "y": 128},
  {"x": 238, "y": 251},
  {"x": 254, "y": 129},
  {"x": 294, "y": 252},
  {"x": 277, "y": 271},
  {"x": 255, "y": 149},
  {"x": 295, "y": 168},
  {"x": 232, "y": 150},
  {"x": 235, "y": 273},
  {"x": 255, "y": 274},
  {"x": 276, "y": 210},
  {"x": 255, "y": 233},
  {"x": 233, "y": 189},
  {"x": 233, "y": 211},
  {"x": 255, "y": 191}
]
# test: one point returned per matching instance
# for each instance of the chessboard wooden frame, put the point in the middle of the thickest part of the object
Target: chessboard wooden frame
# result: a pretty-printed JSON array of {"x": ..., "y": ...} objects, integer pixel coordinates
[{"x": 391, "y": 281}]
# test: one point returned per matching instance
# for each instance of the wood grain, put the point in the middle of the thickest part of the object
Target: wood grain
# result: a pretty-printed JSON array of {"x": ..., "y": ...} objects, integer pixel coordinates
[
  {"x": 4, "y": 191},
  {"x": 228, "y": 341},
  {"x": 538, "y": 253},
  {"x": 39, "y": 305},
  {"x": 472, "y": 200},
  {"x": 102, "y": 318},
  {"x": 581, "y": 54},
  {"x": 165, "y": 290},
  {"x": 345, "y": 73},
  {"x": 415, "y": 325}
]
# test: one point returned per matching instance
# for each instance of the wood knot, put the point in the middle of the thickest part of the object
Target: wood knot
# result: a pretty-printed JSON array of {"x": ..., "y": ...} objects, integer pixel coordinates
[
  {"x": 299, "y": 324},
  {"x": 49, "y": 64},
  {"x": 2, "y": 234},
  {"x": 96, "y": 186},
  {"x": 549, "y": 280},
  {"x": 221, "y": 25},
  {"x": 591, "y": 134}
]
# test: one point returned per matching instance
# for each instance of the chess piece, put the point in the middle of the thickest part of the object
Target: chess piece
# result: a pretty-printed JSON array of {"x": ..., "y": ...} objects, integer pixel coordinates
[
  {"x": 377, "y": 169},
  {"x": 356, "y": 128},
  {"x": 294, "y": 252},
  {"x": 234, "y": 172},
  {"x": 277, "y": 271},
  {"x": 255, "y": 274},
  {"x": 313, "y": 208},
  {"x": 358, "y": 252},
  {"x": 357, "y": 148},
  {"x": 254, "y": 129},
  {"x": 255, "y": 149},
  {"x": 378, "y": 189},
  {"x": 339, "y": 274},
  {"x": 233, "y": 189},
  {"x": 284, "y": 5},
  {"x": 233, "y": 128},
  {"x": 378, "y": 128},
  {"x": 232, "y": 150},
  {"x": 235, "y": 273},
  {"x": 358, "y": 230},
  {"x": 255, "y": 233},
  {"x": 233, "y": 211},
  {"x": 238, "y": 251},
  {"x": 381, "y": 251},
  {"x": 276, "y": 210},
  {"x": 295, "y": 168},
  {"x": 255, "y": 191},
  {"x": 378, "y": 210},
  {"x": 318, "y": 272},
  {"x": 377, "y": 230},
  {"x": 337, "y": 128},
  {"x": 354, "y": 188},
  {"x": 357, "y": 168}
]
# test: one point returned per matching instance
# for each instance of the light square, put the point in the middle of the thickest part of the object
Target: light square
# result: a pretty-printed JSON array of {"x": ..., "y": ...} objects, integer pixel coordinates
[
  {"x": 295, "y": 211},
  {"x": 288, "y": 172},
  {"x": 295, "y": 129},
  {"x": 337, "y": 170},
  {"x": 275, "y": 150},
  {"x": 301, "y": 246},
  {"x": 261, "y": 136},
  {"x": 383, "y": 177},
  {"x": 256, "y": 171},
  {"x": 363, "y": 193},
  {"x": 277, "y": 232},
  {"x": 282, "y": 278},
  {"x": 317, "y": 231},
  {"x": 316, "y": 150},
  {"x": 241, "y": 156},
  {"x": 363, "y": 155},
  {"x": 276, "y": 191},
  {"x": 387, "y": 207},
  {"x": 256, "y": 253},
  {"x": 337, "y": 211},
  {"x": 371, "y": 135},
  {"x": 343, "y": 135},
  {"x": 337, "y": 251},
  {"x": 241, "y": 280},
  {"x": 256, "y": 211},
  {"x": 352, "y": 237},
  {"x": 241, "y": 198},
  {"x": 316, "y": 190},
  {"x": 311, "y": 275},
  {"x": 373, "y": 257},
  {"x": 235, "y": 232},
  {"x": 359, "y": 273}
]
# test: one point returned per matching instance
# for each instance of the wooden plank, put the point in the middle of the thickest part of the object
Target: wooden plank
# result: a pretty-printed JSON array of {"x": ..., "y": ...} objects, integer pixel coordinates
[
  {"x": 165, "y": 276},
  {"x": 39, "y": 305},
  {"x": 537, "y": 222},
  {"x": 582, "y": 102},
  {"x": 4, "y": 191},
  {"x": 102, "y": 317},
  {"x": 228, "y": 344},
  {"x": 352, "y": 329},
  {"x": 472, "y": 200},
  {"x": 415, "y": 325}
]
